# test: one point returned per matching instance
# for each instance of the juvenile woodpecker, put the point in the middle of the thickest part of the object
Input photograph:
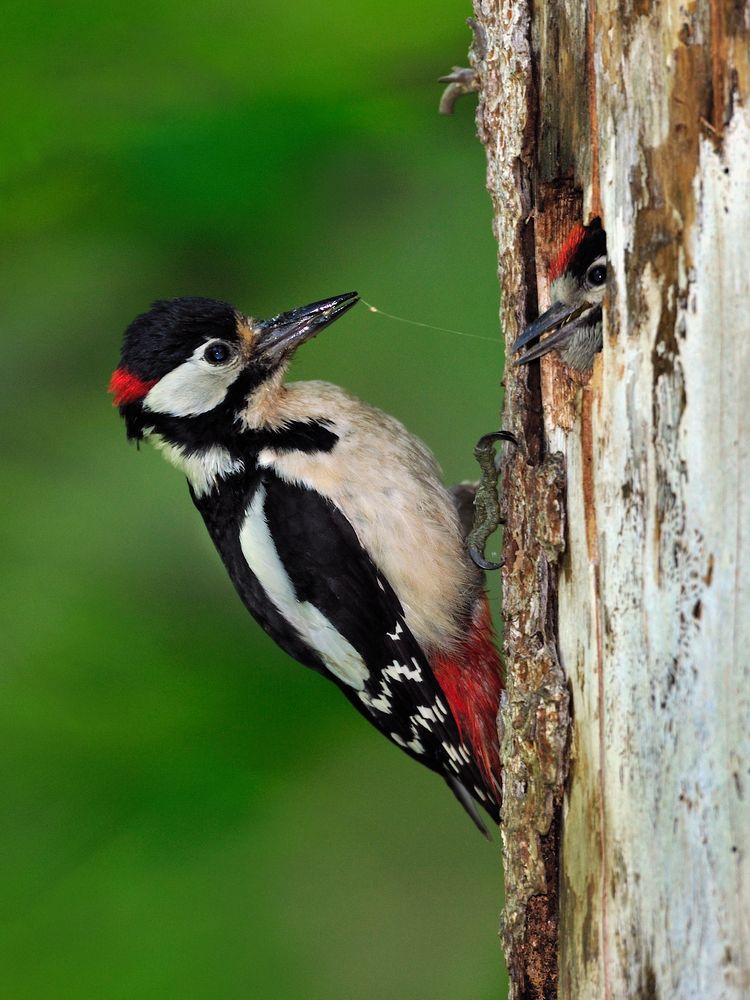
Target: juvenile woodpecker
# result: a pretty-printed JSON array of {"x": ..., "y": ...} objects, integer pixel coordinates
[
  {"x": 578, "y": 278},
  {"x": 332, "y": 523}
]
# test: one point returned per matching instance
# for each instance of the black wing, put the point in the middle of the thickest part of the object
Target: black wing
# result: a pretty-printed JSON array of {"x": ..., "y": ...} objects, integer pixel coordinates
[{"x": 329, "y": 568}]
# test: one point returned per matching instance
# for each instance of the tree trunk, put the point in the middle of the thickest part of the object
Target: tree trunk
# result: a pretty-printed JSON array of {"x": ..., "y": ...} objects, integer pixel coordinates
[{"x": 627, "y": 549}]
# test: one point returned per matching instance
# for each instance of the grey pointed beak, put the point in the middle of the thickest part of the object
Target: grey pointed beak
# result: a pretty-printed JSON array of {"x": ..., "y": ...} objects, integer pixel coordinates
[
  {"x": 555, "y": 315},
  {"x": 281, "y": 335},
  {"x": 560, "y": 318}
]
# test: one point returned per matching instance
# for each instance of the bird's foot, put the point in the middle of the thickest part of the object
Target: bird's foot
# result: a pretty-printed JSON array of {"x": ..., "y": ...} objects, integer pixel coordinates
[
  {"x": 487, "y": 513},
  {"x": 460, "y": 81}
]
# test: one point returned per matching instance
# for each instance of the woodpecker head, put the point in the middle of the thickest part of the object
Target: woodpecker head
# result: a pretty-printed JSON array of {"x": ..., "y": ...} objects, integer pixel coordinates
[
  {"x": 574, "y": 320},
  {"x": 188, "y": 365}
]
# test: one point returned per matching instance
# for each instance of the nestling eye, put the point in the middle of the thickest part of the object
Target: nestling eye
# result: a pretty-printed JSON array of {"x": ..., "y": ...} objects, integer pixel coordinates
[
  {"x": 217, "y": 353},
  {"x": 597, "y": 275}
]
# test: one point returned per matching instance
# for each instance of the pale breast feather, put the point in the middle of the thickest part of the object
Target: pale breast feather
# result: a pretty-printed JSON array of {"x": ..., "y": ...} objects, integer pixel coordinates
[{"x": 386, "y": 484}]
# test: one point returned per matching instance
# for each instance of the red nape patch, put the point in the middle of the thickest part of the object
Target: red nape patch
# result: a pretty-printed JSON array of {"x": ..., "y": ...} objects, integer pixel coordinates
[
  {"x": 127, "y": 388},
  {"x": 569, "y": 247},
  {"x": 471, "y": 681}
]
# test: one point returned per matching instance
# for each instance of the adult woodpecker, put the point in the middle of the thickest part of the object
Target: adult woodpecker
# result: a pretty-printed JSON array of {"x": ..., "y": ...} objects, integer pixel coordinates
[
  {"x": 578, "y": 278},
  {"x": 332, "y": 523}
]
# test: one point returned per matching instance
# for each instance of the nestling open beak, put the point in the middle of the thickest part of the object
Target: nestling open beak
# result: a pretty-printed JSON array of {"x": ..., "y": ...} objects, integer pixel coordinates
[
  {"x": 561, "y": 318},
  {"x": 281, "y": 335}
]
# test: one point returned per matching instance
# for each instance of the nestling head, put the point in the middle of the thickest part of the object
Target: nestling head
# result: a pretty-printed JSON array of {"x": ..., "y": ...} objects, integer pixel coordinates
[{"x": 578, "y": 279}]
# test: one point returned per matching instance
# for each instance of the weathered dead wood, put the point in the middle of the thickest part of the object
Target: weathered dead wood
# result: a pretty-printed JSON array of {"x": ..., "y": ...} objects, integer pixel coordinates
[{"x": 638, "y": 112}]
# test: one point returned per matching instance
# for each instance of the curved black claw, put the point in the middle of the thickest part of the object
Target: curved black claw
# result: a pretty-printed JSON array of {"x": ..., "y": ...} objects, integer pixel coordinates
[
  {"x": 487, "y": 440},
  {"x": 478, "y": 559},
  {"x": 487, "y": 513}
]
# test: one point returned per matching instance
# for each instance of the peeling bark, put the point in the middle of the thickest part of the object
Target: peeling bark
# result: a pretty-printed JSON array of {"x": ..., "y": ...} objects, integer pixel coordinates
[
  {"x": 626, "y": 835},
  {"x": 534, "y": 715}
]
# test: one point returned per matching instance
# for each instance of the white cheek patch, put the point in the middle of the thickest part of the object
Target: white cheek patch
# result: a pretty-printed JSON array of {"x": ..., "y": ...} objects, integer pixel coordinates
[
  {"x": 193, "y": 387},
  {"x": 260, "y": 553},
  {"x": 564, "y": 289}
]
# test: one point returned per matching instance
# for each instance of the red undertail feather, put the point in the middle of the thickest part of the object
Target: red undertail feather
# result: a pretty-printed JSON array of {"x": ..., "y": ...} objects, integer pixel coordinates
[
  {"x": 471, "y": 680},
  {"x": 567, "y": 252},
  {"x": 127, "y": 387}
]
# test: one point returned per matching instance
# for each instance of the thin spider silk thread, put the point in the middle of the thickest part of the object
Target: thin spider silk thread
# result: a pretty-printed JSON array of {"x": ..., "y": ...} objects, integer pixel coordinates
[{"x": 427, "y": 326}]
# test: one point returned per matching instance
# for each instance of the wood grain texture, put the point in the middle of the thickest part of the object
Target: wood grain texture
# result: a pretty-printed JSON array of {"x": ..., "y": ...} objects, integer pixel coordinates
[
  {"x": 653, "y": 616},
  {"x": 644, "y": 599}
]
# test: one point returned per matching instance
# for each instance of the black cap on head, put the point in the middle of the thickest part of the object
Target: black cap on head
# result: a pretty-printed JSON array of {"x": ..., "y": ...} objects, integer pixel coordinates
[
  {"x": 592, "y": 246},
  {"x": 160, "y": 339}
]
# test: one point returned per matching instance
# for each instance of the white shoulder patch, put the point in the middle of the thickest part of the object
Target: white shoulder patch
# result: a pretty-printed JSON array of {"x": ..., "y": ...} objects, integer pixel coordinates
[{"x": 259, "y": 550}]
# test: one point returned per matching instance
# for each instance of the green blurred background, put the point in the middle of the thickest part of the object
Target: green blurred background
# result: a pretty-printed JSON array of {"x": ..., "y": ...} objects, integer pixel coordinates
[{"x": 186, "y": 813}]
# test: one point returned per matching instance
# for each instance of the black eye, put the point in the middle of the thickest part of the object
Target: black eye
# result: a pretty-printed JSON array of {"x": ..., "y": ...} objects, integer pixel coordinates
[
  {"x": 597, "y": 275},
  {"x": 217, "y": 354}
]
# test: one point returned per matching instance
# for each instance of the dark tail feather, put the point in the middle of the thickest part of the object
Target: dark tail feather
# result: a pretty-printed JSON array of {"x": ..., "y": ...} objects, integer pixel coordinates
[{"x": 468, "y": 803}]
